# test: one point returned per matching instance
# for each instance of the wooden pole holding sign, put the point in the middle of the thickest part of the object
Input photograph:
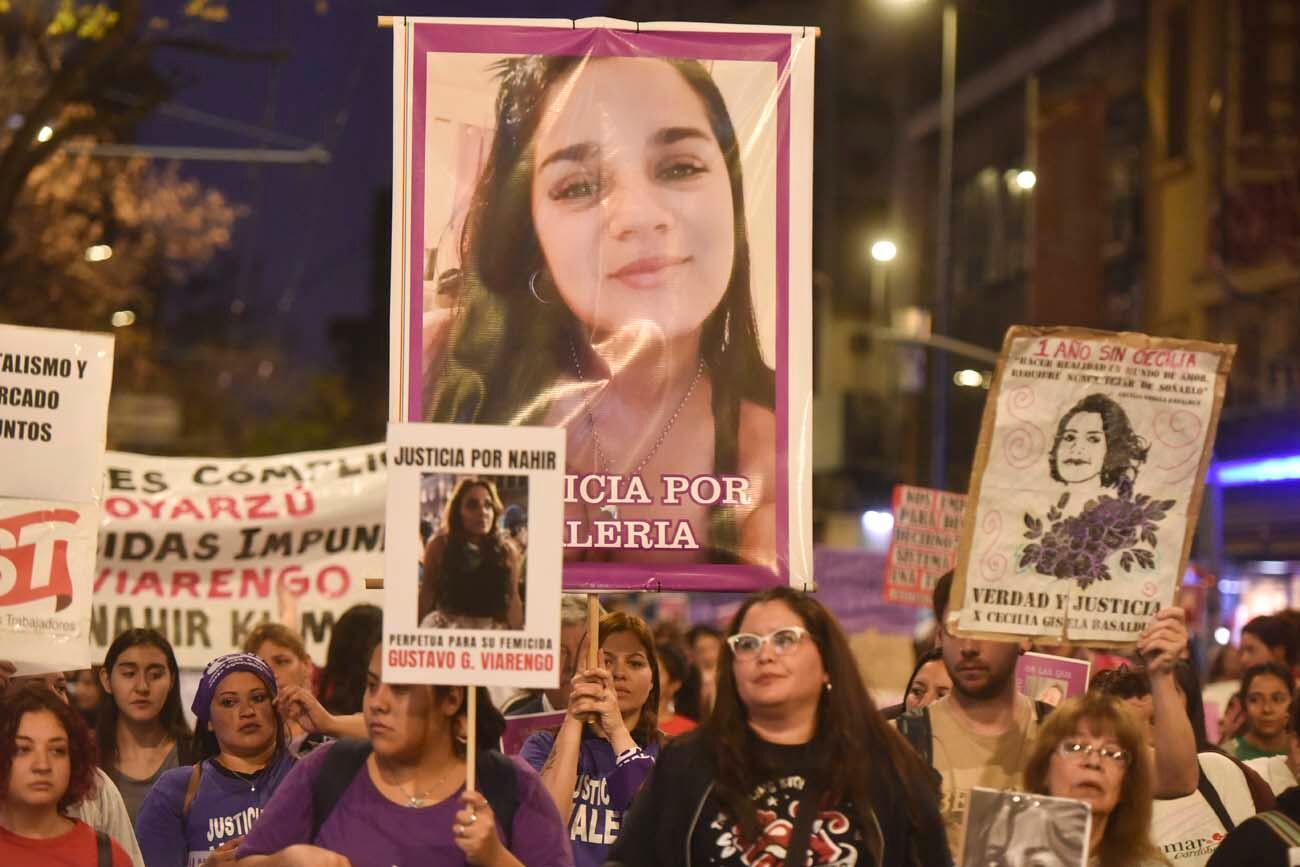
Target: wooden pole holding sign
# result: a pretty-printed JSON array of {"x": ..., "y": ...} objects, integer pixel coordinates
[
  {"x": 471, "y": 735},
  {"x": 593, "y": 630}
]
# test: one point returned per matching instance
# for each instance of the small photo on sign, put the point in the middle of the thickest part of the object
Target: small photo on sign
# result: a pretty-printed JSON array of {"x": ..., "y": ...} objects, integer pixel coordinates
[
  {"x": 474, "y": 539},
  {"x": 1017, "y": 829}
]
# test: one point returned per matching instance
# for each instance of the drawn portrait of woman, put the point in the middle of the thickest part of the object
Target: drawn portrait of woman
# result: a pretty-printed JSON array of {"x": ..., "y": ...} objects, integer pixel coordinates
[
  {"x": 1095, "y": 443},
  {"x": 1096, "y": 455},
  {"x": 605, "y": 288}
]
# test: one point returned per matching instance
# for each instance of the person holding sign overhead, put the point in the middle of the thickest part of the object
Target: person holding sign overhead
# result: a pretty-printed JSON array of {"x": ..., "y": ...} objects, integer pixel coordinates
[
  {"x": 607, "y": 744},
  {"x": 793, "y": 734},
  {"x": 400, "y": 798},
  {"x": 607, "y": 236},
  {"x": 471, "y": 571},
  {"x": 47, "y": 766}
]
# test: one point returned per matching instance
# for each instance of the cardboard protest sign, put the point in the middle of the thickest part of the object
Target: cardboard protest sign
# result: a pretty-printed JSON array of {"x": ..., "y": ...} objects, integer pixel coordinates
[
  {"x": 1019, "y": 829},
  {"x": 1051, "y": 679},
  {"x": 1087, "y": 483},
  {"x": 927, "y": 532},
  {"x": 54, "y": 388},
  {"x": 605, "y": 227},
  {"x": 478, "y": 603},
  {"x": 206, "y": 549}
]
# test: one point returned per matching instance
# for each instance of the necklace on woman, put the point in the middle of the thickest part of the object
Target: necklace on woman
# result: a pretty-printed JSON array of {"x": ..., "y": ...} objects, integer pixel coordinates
[
  {"x": 250, "y": 778},
  {"x": 602, "y": 460},
  {"x": 419, "y": 799}
]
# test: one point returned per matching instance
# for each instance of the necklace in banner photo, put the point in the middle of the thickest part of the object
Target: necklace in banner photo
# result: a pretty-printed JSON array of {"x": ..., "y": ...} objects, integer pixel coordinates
[{"x": 602, "y": 459}]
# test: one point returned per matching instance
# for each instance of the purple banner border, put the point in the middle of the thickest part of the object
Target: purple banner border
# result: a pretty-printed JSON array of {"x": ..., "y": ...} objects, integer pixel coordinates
[{"x": 773, "y": 47}]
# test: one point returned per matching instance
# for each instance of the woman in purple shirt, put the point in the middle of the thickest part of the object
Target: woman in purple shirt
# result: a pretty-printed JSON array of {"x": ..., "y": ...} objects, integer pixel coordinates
[
  {"x": 403, "y": 801},
  {"x": 606, "y": 745},
  {"x": 195, "y": 812}
]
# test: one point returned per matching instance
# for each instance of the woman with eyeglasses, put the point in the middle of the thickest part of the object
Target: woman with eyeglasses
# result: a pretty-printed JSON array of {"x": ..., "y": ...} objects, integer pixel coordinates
[
  {"x": 1092, "y": 749},
  {"x": 595, "y": 764},
  {"x": 795, "y": 760}
]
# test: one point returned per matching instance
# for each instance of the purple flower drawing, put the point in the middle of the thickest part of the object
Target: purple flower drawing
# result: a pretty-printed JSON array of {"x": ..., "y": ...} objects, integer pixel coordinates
[{"x": 1079, "y": 546}]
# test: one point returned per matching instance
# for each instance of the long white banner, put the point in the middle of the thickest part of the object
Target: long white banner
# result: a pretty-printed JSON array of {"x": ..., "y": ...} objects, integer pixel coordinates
[{"x": 205, "y": 549}]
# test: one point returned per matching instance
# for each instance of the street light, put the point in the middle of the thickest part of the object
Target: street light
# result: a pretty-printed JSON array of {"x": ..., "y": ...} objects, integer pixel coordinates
[
  {"x": 884, "y": 250},
  {"x": 99, "y": 253},
  {"x": 1025, "y": 179}
]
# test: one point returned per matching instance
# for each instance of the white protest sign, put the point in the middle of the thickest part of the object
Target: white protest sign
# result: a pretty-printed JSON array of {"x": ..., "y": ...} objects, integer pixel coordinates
[
  {"x": 54, "y": 388},
  {"x": 472, "y": 584},
  {"x": 53, "y": 412},
  {"x": 206, "y": 549},
  {"x": 47, "y": 555},
  {"x": 1087, "y": 482}
]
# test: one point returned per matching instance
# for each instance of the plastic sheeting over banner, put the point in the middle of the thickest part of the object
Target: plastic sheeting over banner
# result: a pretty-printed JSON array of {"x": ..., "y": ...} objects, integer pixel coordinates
[
  {"x": 605, "y": 226},
  {"x": 205, "y": 549}
]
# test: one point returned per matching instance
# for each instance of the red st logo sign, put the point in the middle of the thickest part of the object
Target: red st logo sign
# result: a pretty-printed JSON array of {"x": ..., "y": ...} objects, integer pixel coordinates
[{"x": 34, "y": 557}]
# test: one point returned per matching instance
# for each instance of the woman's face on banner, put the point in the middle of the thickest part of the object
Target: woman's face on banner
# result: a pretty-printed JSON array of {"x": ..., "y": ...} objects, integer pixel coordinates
[
  {"x": 1082, "y": 450},
  {"x": 631, "y": 199}
]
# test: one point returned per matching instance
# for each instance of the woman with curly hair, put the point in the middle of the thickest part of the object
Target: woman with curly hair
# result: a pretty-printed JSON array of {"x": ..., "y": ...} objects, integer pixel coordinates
[
  {"x": 471, "y": 572},
  {"x": 794, "y": 759},
  {"x": 1091, "y": 748},
  {"x": 47, "y": 765}
]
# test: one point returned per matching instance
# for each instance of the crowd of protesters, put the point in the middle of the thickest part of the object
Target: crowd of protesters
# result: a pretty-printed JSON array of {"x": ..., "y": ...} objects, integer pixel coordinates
[{"x": 757, "y": 743}]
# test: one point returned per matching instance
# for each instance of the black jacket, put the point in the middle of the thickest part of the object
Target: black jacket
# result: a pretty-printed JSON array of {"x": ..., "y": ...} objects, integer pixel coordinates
[
  {"x": 658, "y": 827},
  {"x": 1254, "y": 844}
]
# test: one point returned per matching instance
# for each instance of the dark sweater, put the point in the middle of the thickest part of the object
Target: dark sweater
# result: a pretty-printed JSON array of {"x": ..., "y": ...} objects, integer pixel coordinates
[
  {"x": 1254, "y": 844},
  {"x": 675, "y": 803}
]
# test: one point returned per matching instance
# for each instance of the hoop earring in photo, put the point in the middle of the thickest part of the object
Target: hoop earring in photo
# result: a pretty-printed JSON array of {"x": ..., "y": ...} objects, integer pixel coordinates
[{"x": 532, "y": 287}]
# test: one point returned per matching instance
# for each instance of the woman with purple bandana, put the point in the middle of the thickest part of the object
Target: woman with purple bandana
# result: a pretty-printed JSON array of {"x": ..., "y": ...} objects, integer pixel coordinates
[{"x": 202, "y": 812}]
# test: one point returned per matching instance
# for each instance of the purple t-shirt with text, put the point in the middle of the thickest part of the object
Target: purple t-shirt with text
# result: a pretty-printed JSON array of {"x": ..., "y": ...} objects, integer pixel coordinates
[
  {"x": 372, "y": 831},
  {"x": 604, "y": 790},
  {"x": 225, "y": 806}
]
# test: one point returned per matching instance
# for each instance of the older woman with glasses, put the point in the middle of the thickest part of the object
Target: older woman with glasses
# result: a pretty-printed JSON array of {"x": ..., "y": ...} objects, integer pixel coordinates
[
  {"x": 795, "y": 759},
  {"x": 1092, "y": 749}
]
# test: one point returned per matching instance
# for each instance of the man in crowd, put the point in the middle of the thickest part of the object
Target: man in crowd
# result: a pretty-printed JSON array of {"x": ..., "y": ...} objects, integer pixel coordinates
[
  {"x": 982, "y": 732},
  {"x": 573, "y": 634}
]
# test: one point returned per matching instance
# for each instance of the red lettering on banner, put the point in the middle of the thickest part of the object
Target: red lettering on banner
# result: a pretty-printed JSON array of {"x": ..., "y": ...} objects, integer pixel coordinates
[
  {"x": 188, "y": 581},
  {"x": 34, "y": 557},
  {"x": 330, "y": 582},
  {"x": 263, "y": 507}
]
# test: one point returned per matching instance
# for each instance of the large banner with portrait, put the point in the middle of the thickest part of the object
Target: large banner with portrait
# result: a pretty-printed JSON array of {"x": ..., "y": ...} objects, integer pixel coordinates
[
  {"x": 605, "y": 227},
  {"x": 1087, "y": 483}
]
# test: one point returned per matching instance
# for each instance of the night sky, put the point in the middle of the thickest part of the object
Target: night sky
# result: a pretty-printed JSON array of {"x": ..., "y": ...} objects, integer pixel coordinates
[{"x": 304, "y": 251}]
